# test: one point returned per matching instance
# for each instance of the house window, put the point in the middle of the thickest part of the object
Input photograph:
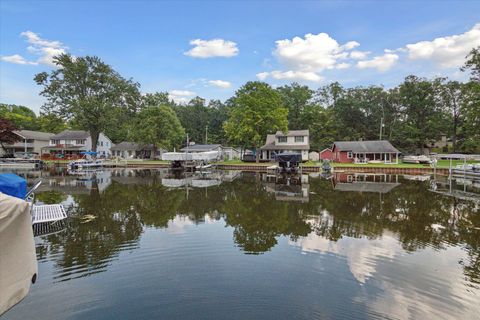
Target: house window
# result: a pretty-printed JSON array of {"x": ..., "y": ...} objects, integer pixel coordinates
[
  {"x": 349, "y": 154},
  {"x": 299, "y": 139},
  {"x": 80, "y": 141},
  {"x": 282, "y": 139},
  {"x": 55, "y": 141}
]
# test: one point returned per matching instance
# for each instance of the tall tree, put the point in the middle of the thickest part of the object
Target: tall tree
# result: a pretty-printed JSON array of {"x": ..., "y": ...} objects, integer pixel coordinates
[
  {"x": 87, "y": 90},
  {"x": 50, "y": 122},
  {"x": 295, "y": 98},
  {"x": 418, "y": 102},
  {"x": 257, "y": 110},
  {"x": 471, "y": 104},
  {"x": 159, "y": 126},
  {"x": 451, "y": 99},
  {"x": 473, "y": 64}
]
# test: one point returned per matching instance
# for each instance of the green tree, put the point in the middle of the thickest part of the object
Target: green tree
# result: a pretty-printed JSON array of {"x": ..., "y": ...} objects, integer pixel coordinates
[
  {"x": 296, "y": 99},
  {"x": 194, "y": 118},
  {"x": 50, "y": 122},
  {"x": 22, "y": 117},
  {"x": 473, "y": 64},
  {"x": 159, "y": 126},
  {"x": 257, "y": 110},
  {"x": 88, "y": 91},
  {"x": 417, "y": 97}
]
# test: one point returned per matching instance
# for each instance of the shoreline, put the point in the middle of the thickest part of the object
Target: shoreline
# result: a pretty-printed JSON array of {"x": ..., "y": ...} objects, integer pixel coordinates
[{"x": 262, "y": 167}]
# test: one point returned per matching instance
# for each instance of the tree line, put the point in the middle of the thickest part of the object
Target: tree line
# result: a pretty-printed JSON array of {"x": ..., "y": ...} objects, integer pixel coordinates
[{"x": 86, "y": 93}]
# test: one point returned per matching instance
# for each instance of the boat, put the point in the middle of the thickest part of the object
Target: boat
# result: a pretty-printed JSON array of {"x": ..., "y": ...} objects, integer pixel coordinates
[
  {"x": 417, "y": 159},
  {"x": 21, "y": 163},
  {"x": 84, "y": 163},
  {"x": 467, "y": 170},
  {"x": 288, "y": 162},
  {"x": 18, "y": 262}
]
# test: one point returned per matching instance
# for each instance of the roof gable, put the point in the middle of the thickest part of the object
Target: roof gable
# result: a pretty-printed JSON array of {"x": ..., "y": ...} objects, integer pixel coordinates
[{"x": 36, "y": 135}]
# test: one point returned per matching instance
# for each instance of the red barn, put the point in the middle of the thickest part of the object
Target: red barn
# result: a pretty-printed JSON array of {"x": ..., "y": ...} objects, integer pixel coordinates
[
  {"x": 326, "y": 154},
  {"x": 380, "y": 151}
]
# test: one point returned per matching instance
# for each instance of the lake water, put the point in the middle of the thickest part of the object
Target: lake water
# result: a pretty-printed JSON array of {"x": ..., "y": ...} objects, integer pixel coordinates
[{"x": 143, "y": 244}]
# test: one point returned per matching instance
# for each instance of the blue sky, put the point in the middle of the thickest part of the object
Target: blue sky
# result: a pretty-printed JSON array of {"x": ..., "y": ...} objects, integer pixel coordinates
[{"x": 211, "y": 48}]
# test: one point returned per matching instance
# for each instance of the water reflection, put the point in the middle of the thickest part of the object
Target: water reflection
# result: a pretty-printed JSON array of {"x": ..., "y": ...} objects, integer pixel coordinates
[{"x": 394, "y": 234}]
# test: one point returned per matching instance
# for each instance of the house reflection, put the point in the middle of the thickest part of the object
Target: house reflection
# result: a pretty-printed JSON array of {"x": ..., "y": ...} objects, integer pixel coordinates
[
  {"x": 287, "y": 187},
  {"x": 365, "y": 182}
]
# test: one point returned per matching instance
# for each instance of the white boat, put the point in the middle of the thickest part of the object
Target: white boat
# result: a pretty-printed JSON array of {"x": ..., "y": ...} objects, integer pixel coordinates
[
  {"x": 177, "y": 156},
  {"x": 417, "y": 159},
  {"x": 20, "y": 163},
  {"x": 84, "y": 163},
  {"x": 467, "y": 169},
  {"x": 206, "y": 156}
]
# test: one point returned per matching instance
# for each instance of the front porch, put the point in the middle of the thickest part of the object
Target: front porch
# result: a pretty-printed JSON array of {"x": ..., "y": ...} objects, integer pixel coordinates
[{"x": 360, "y": 158}]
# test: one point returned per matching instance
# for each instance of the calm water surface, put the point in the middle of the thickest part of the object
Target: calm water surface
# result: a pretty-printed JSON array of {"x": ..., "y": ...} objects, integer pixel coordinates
[{"x": 142, "y": 244}]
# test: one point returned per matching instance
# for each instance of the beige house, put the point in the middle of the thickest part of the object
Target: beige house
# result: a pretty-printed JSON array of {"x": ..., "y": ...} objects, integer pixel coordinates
[
  {"x": 30, "y": 142},
  {"x": 295, "y": 141}
]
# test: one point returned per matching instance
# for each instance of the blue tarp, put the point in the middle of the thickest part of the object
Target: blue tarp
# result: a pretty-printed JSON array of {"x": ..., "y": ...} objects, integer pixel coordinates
[
  {"x": 91, "y": 153},
  {"x": 13, "y": 185}
]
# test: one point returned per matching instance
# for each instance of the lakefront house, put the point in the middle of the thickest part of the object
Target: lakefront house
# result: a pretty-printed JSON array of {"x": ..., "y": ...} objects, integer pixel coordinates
[
  {"x": 71, "y": 143},
  {"x": 295, "y": 141},
  {"x": 28, "y": 141},
  {"x": 364, "y": 151}
]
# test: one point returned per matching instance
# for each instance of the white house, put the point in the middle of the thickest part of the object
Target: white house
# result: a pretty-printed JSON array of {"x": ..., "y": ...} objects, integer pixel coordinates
[
  {"x": 72, "y": 142},
  {"x": 295, "y": 141}
]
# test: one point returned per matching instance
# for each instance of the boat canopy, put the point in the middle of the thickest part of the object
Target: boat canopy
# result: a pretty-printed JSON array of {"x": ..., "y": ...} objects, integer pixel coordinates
[
  {"x": 288, "y": 157},
  {"x": 90, "y": 153},
  {"x": 13, "y": 185}
]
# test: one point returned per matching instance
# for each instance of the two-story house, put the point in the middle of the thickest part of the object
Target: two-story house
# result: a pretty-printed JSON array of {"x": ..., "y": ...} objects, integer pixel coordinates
[
  {"x": 73, "y": 142},
  {"x": 295, "y": 141},
  {"x": 29, "y": 142}
]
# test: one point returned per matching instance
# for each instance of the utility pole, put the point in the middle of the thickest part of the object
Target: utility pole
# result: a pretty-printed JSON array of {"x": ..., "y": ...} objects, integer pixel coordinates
[
  {"x": 381, "y": 128},
  {"x": 206, "y": 134}
]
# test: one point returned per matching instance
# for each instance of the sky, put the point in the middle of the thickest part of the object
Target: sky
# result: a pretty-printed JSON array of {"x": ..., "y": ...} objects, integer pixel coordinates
[{"x": 211, "y": 48}]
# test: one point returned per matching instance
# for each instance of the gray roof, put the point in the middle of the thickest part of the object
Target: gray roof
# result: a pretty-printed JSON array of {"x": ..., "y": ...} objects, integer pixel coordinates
[
  {"x": 373, "y": 146},
  {"x": 71, "y": 134},
  {"x": 292, "y": 133},
  {"x": 270, "y": 143},
  {"x": 201, "y": 147},
  {"x": 36, "y": 135}
]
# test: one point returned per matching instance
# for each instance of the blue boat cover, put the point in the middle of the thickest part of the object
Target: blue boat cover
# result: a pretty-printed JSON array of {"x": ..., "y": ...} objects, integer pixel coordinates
[{"x": 13, "y": 185}]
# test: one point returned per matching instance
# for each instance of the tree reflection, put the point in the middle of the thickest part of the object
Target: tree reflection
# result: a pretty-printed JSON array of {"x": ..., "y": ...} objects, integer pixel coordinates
[{"x": 420, "y": 218}]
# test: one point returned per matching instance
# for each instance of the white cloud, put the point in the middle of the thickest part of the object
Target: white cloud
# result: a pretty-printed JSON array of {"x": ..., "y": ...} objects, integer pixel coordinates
[
  {"x": 359, "y": 55},
  {"x": 212, "y": 48},
  {"x": 45, "y": 49},
  {"x": 314, "y": 52},
  {"x": 305, "y": 58},
  {"x": 447, "y": 52},
  {"x": 181, "y": 96},
  {"x": 381, "y": 63},
  {"x": 343, "y": 65},
  {"x": 290, "y": 75},
  {"x": 17, "y": 59},
  {"x": 220, "y": 83},
  {"x": 262, "y": 75}
]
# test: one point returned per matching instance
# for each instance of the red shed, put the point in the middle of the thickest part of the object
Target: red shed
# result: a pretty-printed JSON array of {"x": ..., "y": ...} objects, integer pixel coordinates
[{"x": 326, "y": 154}]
